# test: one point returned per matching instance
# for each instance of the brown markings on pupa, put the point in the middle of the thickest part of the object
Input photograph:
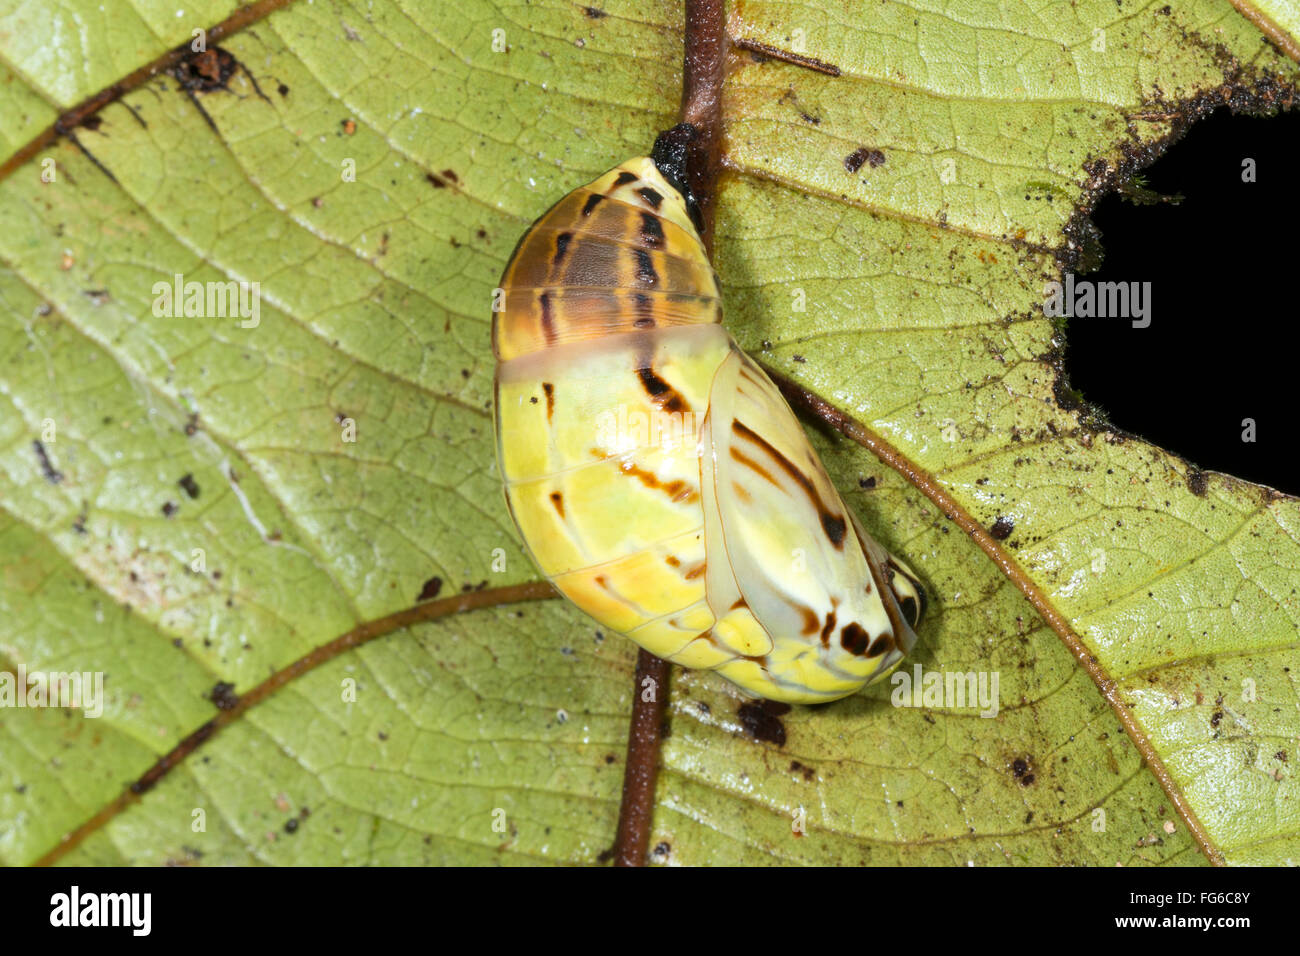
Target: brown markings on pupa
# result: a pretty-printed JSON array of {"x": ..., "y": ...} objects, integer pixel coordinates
[
  {"x": 832, "y": 524},
  {"x": 748, "y": 462},
  {"x": 645, "y": 268},
  {"x": 676, "y": 489},
  {"x": 645, "y": 318},
  {"x": 652, "y": 233},
  {"x": 652, "y": 196},
  {"x": 548, "y": 318},
  {"x": 664, "y": 395},
  {"x": 854, "y": 639},
  {"x": 834, "y": 527},
  {"x": 880, "y": 645},
  {"x": 562, "y": 241}
]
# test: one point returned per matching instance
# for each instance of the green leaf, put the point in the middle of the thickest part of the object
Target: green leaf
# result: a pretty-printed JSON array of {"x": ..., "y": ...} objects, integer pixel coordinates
[{"x": 195, "y": 515}]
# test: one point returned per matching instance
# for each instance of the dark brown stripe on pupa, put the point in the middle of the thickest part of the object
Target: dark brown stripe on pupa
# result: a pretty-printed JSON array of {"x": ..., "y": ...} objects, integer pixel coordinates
[
  {"x": 652, "y": 233},
  {"x": 832, "y": 524},
  {"x": 826, "y": 630},
  {"x": 645, "y": 315},
  {"x": 854, "y": 638},
  {"x": 645, "y": 268},
  {"x": 834, "y": 527},
  {"x": 881, "y": 644},
  {"x": 664, "y": 395},
  {"x": 561, "y": 246},
  {"x": 652, "y": 196},
  {"x": 548, "y": 320},
  {"x": 557, "y": 499},
  {"x": 624, "y": 178},
  {"x": 677, "y": 490},
  {"x": 748, "y": 462},
  {"x": 592, "y": 202},
  {"x": 549, "y": 389}
]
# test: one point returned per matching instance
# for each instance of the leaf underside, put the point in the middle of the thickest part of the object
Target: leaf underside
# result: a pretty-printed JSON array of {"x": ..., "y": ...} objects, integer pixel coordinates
[{"x": 922, "y": 275}]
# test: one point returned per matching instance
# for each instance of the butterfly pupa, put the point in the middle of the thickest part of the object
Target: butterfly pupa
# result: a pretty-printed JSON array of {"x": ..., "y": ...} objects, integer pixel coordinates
[{"x": 654, "y": 472}]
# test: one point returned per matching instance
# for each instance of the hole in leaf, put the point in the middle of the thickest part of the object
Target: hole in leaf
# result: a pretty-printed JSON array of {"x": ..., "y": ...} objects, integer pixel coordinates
[{"x": 1223, "y": 344}]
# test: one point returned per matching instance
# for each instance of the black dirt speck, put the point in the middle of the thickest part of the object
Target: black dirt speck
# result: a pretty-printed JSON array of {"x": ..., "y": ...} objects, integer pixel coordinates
[
  {"x": 762, "y": 725},
  {"x": 189, "y": 485},
  {"x": 224, "y": 696}
]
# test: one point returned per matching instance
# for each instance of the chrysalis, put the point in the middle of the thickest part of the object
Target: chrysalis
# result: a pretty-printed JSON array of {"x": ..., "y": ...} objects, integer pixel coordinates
[{"x": 655, "y": 473}]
